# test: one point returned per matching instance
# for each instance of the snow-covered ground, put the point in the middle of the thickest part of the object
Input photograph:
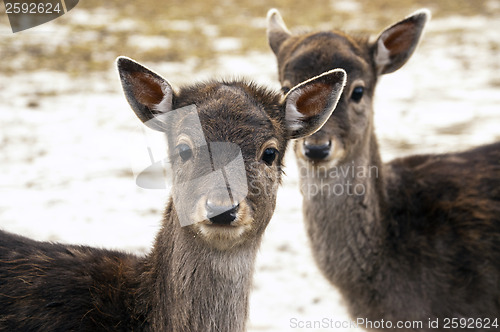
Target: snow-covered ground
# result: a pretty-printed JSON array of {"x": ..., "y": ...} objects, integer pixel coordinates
[{"x": 65, "y": 171}]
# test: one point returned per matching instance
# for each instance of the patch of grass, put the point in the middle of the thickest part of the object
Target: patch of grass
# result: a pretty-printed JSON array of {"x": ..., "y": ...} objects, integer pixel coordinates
[
  {"x": 244, "y": 20},
  {"x": 387, "y": 11},
  {"x": 495, "y": 82},
  {"x": 455, "y": 129}
]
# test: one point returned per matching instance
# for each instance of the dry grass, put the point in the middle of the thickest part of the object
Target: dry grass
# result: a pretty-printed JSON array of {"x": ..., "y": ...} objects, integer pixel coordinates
[{"x": 191, "y": 28}]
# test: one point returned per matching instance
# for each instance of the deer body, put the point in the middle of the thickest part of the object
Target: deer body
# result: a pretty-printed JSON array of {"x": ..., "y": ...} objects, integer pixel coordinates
[
  {"x": 417, "y": 238},
  {"x": 226, "y": 141},
  {"x": 88, "y": 289}
]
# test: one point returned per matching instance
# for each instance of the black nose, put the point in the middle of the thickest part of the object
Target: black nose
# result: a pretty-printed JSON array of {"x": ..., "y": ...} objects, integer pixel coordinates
[
  {"x": 220, "y": 214},
  {"x": 317, "y": 152}
]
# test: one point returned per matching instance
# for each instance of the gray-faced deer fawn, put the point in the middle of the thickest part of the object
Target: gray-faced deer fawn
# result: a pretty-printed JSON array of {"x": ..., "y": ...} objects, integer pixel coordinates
[
  {"x": 226, "y": 141},
  {"x": 411, "y": 240}
]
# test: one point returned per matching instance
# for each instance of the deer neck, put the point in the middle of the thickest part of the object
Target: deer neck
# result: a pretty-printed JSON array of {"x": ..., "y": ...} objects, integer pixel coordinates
[
  {"x": 193, "y": 287},
  {"x": 343, "y": 207}
]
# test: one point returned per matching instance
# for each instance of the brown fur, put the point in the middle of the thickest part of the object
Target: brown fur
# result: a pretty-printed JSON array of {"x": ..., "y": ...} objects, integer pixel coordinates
[
  {"x": 197, "y": 277},
  {"x": 422, "y": 239}
]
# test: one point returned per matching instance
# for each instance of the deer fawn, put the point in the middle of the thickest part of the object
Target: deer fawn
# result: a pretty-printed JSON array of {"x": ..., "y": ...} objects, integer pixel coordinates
[
  {"x": 226, "y": 141},
  {"x": 411, "y": 240}
]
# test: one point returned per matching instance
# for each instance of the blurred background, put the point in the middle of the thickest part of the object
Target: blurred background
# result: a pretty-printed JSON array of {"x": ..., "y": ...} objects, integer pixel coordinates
[{"x": 65, "y": 127}]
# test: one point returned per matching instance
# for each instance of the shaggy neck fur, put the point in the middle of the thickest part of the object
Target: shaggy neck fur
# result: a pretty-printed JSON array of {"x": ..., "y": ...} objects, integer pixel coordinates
[
  {"x": 196, "y": 287},
  {"x": 343, "y": 207}
]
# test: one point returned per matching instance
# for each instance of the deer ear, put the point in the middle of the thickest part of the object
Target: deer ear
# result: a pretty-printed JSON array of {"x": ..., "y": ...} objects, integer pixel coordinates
[
  {"x": 277, "y": 31},
  {"x": 396, "y": 44},
  {"x": 309, "y": 105},
  {"x": 148, "y": 93}
]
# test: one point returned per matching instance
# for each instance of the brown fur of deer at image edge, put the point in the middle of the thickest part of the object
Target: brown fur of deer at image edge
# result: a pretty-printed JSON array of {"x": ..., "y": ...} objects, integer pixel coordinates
[
  {"x": 415, "y": 239},
  {"x": 197, "y": 277}
]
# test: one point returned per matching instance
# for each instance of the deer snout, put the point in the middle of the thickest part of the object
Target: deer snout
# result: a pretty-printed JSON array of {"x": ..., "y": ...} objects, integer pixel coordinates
[
  {"x": 221, "y": 214},
  {"x": 317, "y": 151}
]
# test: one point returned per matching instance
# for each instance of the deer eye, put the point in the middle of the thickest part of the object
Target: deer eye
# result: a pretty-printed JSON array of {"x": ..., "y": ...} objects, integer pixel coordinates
[
  {"x": 184, "y": 151},
  {"x": 269, "y": 155},
  {"x": 357, "y": 93}
]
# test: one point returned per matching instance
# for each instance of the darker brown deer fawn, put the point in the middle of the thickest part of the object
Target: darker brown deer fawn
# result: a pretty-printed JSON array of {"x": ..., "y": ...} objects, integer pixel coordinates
[
  {"x": 226, "y": 141},
  {"x": 414, "y": 239}
]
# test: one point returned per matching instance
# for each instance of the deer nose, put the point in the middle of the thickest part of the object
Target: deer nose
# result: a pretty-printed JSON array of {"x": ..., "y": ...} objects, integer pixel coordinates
[
  {"x": 221, "y": 214},
  {"x": 317, "y": 152}
]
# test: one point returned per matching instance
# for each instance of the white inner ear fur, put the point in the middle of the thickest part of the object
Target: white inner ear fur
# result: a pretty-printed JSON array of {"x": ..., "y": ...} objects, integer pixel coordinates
[
  {"x": 165, "y": 105},
  {"x": 383, "y": 56},
  {"x": 292, "y": 115}
]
